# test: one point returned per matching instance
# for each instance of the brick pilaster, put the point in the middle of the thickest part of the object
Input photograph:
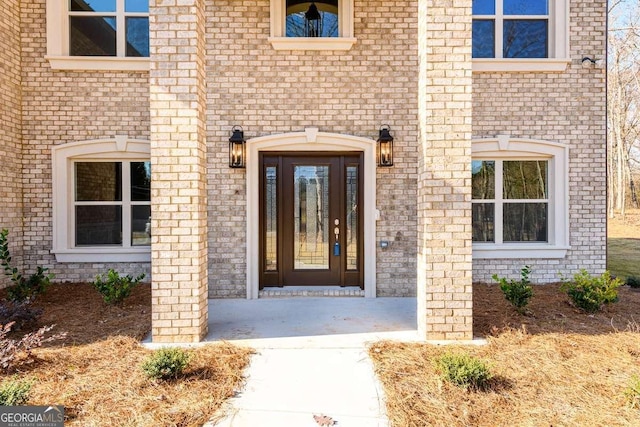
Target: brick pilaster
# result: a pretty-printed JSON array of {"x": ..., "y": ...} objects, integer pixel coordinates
[
  {"x": 178, "y": 158},
  {"x": 444, "y": 175}
]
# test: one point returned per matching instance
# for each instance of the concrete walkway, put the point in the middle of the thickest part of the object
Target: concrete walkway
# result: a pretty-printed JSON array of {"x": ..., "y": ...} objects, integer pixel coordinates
[{"x": 311, "y": 358}]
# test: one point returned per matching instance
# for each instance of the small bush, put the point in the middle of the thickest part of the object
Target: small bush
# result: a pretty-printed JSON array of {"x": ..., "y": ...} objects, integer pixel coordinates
[
  {"x": 633, "y": 281},
  {"x": 115, "y": 288},
  {"x": 632, "y": 393},
  {"x": 15, "y": 352},
  {"x": 166, "y": 363},
  {"x": 463, "y": 370},
  {"x": 517, "y": 292},
  {"x": 22, "y": 289},
  {"x": 591, "y": 293},
  {"x": 20, "y": 313},
  {"x": 14, "y": 392}
]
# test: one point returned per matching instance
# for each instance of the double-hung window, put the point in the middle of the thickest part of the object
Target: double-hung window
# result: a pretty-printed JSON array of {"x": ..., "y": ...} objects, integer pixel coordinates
[
  {"x": 102, "y": 201},
  {"x": 112, "y": 204},
  {"x": 519, "y": 198},
  {"x": 520, "y": 35},
  {"x": 510, "y": 201},
  {"x": 98, "y": 34}
]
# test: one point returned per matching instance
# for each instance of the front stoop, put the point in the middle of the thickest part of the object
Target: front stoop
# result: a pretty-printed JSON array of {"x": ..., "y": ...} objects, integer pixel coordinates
[{"x": 311, "y": 291}]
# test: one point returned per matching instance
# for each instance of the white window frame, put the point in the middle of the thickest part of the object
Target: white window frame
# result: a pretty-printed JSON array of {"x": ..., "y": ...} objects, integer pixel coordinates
[
  {"x": 118, "y": 149},
  {"x": 503, "y": 147},
  {"x": 280, "y": 41},
  {"x": 558, "y": 47},
  {"x": 58, "y": 42}
]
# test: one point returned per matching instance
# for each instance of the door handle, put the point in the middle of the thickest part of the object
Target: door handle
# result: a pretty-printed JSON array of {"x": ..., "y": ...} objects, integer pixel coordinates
[{"x": 336, "y": 231}]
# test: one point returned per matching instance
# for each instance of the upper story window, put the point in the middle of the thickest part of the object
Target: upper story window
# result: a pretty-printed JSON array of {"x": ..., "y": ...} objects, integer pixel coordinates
[
  {"x": 317, "y": 19},
  {"x": 109, "y": 27},
  {"x": 98, "y": 34},
  {"x": 305, "y": 25},
  {"x": 520, "y": 35}
]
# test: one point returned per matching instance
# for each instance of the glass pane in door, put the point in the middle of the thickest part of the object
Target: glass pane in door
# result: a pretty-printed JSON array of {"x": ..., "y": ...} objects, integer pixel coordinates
[
  {"x": 311, "y": 217},
  {"x": 352, "y": 218},
  {"x": 271, "y": 219}
]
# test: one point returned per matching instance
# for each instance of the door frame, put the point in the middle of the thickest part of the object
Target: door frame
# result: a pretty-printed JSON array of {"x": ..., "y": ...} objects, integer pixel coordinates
[{"x": 310, "y": 140}]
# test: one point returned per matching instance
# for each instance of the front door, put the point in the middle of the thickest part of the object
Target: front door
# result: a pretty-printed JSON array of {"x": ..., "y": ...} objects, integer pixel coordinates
[{"x": 311, "y": 222}]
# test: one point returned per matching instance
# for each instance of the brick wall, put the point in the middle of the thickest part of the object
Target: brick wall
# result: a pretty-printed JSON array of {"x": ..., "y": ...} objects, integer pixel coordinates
[
  {"x": 10, "y": 128},
  {"x": 66, "y": 106},
  {"x": 354, "y": 92},
  {"x": 568, "y": 108},
  {"x": 444, "y": 185}
]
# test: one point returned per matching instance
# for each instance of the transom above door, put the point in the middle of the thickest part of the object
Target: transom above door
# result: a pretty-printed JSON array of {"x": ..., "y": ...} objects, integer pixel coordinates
[{"x": 311, "y": 220}]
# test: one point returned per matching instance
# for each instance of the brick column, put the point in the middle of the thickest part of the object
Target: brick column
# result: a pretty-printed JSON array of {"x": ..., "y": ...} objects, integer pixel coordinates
[
  {"x": 178, "y": 171},
  {"x": 444, "y": 171}
]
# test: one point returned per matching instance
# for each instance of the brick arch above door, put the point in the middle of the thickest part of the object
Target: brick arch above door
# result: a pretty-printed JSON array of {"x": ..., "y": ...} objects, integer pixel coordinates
[{"x": 311, "y": 140}]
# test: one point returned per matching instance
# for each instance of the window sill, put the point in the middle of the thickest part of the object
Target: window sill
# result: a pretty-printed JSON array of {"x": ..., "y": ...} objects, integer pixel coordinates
[
  {"x": 511, "y": 251},
  {"x": 319, "y": 43},
  {"x": 544, "y": 65},
  {"x": 103, "y": 255},
  {"x": 102, "y": 63}
]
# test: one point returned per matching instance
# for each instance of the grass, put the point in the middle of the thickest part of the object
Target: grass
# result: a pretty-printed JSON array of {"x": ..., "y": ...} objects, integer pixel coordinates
[
  {"x": 555, "y": 366},
  {"x": 623, "y": 244},
  {"x": 96, "y": 372}
]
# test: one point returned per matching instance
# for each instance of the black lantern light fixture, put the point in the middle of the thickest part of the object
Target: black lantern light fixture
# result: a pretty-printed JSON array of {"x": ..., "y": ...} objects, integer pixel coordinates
[
  {"x": 385, "y": 147},
  {"x": 313, "y": 21},
  {"x": 237, "y": 154}
]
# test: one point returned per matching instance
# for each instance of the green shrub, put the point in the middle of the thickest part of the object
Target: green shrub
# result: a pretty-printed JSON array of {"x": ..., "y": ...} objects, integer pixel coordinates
[
  {"x": 22, "y": 289},
  {"x": 463, "y": 370},
  {"x": 632, "y": 393},
  {"x": 590, "y": 293},
  {"x": 115, "y": 288},
  {"x": 517, "y": 292},
  {"x": 633, "y": 281},
  {"x": 15, "y": 392},
  {"x": 166, "y": 363}
]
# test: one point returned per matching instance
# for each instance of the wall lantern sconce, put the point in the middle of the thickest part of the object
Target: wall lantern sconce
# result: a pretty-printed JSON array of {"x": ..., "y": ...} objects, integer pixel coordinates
[
  {"x": 385, "y": 147},
  {"x": 237, "y": 153}
]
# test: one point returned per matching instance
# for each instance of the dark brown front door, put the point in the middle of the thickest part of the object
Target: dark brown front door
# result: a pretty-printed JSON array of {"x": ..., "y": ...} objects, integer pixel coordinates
[{"x": 310, "y": 219}]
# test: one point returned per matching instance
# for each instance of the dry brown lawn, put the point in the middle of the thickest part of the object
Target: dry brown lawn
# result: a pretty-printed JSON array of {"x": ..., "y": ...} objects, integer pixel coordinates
[
  {"x": 556, "y": 366},
  {"x": 95, "y": 372}
]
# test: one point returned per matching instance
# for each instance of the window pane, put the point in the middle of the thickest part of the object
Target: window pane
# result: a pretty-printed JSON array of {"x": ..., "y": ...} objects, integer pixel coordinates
[
  {"x": 311, "y": 217},
  {"x": 526, "y": 7},
  {"x": 140, "y": 225},
  {"x": 484, "y": 7},
  {"x": 93, "y": 5},
  {"x": 137, "y": 36},
  {"x": 483, "y": 179},
  {"x": 325, "y": 24},
  {"x": 92, "y": 36},
  {"x": 525, "y": 222},
  {"x": 526, "y": 38},
  {"x": 98, "y": 225},
  {"x": 352, "y": 218},
  {"x": 271, "y": 219},
  {"x": 98, "y": 181},
  {"x": 136, "y": 5},
  {"x": 525, "y": 179},
  {"x": 482, "y": 215},
  {"x": 141, "y": 181},
  {"x": 483, "y": 36}
]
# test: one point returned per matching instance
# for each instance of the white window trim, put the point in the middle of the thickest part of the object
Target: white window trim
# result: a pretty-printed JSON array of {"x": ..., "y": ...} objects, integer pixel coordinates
[
  {"x": 503, "y": 147},
  {"x": 58, "y": 46},
  {"x": 279, "y": 41},
  {"x": 558, "y": 47},
  {"x": 63, "y": 157}
]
